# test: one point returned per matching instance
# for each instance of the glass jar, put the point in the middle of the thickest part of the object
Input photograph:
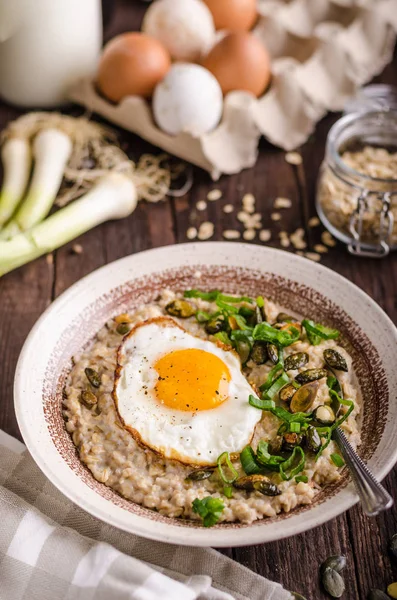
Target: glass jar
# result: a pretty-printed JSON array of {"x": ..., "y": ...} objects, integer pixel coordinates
[{"x": 357, "y": 185}]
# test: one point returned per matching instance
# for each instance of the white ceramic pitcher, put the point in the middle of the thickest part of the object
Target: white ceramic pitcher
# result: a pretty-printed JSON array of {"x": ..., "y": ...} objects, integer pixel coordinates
[{"x": 45, "y": 46}]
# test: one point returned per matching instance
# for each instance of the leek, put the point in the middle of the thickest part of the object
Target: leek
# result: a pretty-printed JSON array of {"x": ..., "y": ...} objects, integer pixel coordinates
[{"x": 113, "y": 197}]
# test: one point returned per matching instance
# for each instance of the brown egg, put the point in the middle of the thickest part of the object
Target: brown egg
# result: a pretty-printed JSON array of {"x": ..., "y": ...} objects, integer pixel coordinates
[
  {"x": 240, "y": 62},
  {"x": 234, "y": 15},
  {"x": 132, "y": 64}
]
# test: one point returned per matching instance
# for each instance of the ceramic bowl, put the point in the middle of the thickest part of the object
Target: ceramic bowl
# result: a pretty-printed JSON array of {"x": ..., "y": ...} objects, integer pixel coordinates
[{"x": 298, "y": 284}]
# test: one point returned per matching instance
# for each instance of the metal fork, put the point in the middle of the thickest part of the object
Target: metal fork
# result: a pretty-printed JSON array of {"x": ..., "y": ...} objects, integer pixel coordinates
[{"x": 373, "y": 496}]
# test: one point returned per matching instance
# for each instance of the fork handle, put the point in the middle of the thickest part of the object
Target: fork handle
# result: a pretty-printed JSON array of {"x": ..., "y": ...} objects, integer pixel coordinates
[{"x": 373, "y": 496}]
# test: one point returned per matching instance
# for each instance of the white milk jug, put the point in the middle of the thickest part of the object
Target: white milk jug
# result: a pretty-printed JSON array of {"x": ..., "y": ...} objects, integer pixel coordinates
[{"x": 45, "y": 46}]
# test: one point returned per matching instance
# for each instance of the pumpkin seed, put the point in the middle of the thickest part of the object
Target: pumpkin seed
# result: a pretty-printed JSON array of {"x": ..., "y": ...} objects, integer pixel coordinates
[
  {"x": 123, "y": 318},
  {"x": 259, "y": 353},
  {"x": 313, "y": 442},
  {"x": 393, "y": 546},
  {"x": 303, "y": 398},
  {"x": 284, "y": 318},
  {"x": 296, "y": 361},
  {"x": 311, "y": 375},
  {"x": 287, "y": 392},
  {"x": 392, "y": 590},
  {"x": 337, "y": 562},
  {"x": 291, "y": 440},
  {"x": 93, "y": 377},
  {"x": 123, "y": 328},
  {"x": 215, "y": 325},
  {"x": 88, "y": 398},
  {"x": 272, "y": 351},
  {"x": 377, "y": 595},
  {"x": 257, "y": 483},
  {"x": 333, "y": 582},
  {"x": 243, "y": 349},
  {"x": 324, "y": 415},
  {"x": 335, "y": 360},
  {"x": 199, "y": 475},
  {"x": 181, "y": 309}
]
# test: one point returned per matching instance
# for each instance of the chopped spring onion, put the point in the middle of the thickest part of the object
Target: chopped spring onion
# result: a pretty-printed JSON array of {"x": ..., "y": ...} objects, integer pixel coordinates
[
  {"x": 242, "y": 323},
  {"x": 226, "y": 308},
  {"x": 260, "y": 302},
  {"x": 266, "y": 333},
  {"x": 224, "y": 338},
  {"x": 279, "y": 383},
  {"x": 327, "y": 431},
  {"x": 343, "y": 418},
  {"x": 113, "y": 197},
  {"x": 208, "y": 296},
  {"x": 210, "y": 510},
  {"x": 261, "y": 404},
  {"x": 301, "y": 479},
  {"x": 228, "y": 491},
  {"x": 246, "y": 312},
  {"x": 294, "y": 427},
  {"x": 52, "y": 149},
  {"x": 293, "y": 465},
  {"x": 272, "y": 376},
  {"x": 319, "y": 331},
  {"x": 17, "y": 160},
  {"x": 287, "y": 417},
  {"x": 337, "y": 460},
  {"x": 266, "y": 459},
  {"x": 202, "y": 316},
  {"x": 248, "y": 461},
  {"x": 224, "y": 460},
  {"x": 234, "y": 299}
]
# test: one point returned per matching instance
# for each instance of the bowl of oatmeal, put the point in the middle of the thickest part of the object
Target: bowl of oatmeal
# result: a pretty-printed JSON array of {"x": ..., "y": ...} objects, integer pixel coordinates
[{"x": 185, "y": 388}]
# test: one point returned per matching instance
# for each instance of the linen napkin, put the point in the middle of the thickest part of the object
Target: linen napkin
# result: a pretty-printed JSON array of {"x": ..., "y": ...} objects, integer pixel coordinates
[{"x": 50, "y": 549}]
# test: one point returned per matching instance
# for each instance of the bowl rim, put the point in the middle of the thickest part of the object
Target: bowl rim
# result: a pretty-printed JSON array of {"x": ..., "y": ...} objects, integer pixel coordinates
[{"x": 165, "y": 532}]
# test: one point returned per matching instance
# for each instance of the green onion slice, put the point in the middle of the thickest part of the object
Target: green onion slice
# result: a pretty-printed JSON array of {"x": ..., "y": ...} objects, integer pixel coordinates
[
  {"x": 272, "y": 376},
  {"x": 224, "y": 459},
  {"x": 263, "y": 456},
  {"x": 261, "y": 404},
  {"x": 234, "y": 299},
  {"x": 294, "y": 427},
  {"x": 301, "y": 478},
  {"x": 228, "y": 491},
  {"x": 316, "y": 330},
  {"x": 223, "y": 337},
  {"x": 337, "y": 460},
  {"x": 260, "y": 301},
  {"x": 293, "y": 465},
  {"x": 209, "y": 509},
  {"x": 209, "y": 296},
  {"x": 327, "y": 431},
  {"x": 202, "y": 316},
  {"x": 280, "y": 382},
  {"x": 248, "y": 461},
  {"x": 266, "y": 333}
]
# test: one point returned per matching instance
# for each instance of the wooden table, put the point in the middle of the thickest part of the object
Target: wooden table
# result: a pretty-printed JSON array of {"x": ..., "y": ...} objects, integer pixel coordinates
[{"x": 25, "y": 294}]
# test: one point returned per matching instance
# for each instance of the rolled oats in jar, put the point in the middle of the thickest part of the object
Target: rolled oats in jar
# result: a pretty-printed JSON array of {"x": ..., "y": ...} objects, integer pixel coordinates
[{"x": 357, "y": 185}]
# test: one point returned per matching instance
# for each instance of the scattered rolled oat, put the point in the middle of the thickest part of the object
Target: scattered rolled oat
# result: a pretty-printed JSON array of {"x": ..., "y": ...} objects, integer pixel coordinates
[
  {"x": 248, "y": 203},
  {"x": 249, "y": 234},
  {"x": 320, "y": 248},
  {"x": 228, "y": 208},
  {"x": 77, "y": 249},
  {"x": 197, "y": 274},
  {"x": 293, "y": 158},
  {"x": 313, "y": 256},
  {"x": 284, "y": 242},
  {"x": 206, "y": 231},
  {"x": 275, "y": 216},
  {"x": 242, "y": 216},
  {"x": 214, "y": 195},
  {"x": 201, "y": 205},
  {"x": 49, "y": 259},
  {"x": 265, "y": 235},
  {"x": 314, "y": 222},
  {"x": 231, "y": 234},
  {"x": 281, "y": 202},
  {"x": 191, "y": 233},
  {"x": 297, "y": 239},
  {"x": 300, "y": 253},
  {"x": 327, "y": 239}
]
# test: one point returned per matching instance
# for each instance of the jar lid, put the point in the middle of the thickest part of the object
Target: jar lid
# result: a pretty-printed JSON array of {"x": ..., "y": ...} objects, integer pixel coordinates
[{"x": 376, "y": 96}]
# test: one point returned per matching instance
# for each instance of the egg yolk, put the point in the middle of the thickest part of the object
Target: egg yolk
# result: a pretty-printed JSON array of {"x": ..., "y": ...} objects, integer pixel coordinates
[{"x": 192, "y": 380}]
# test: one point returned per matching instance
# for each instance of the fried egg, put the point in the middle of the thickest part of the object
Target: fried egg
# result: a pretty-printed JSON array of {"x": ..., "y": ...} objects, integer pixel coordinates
[{"x": 182, "y": 396}]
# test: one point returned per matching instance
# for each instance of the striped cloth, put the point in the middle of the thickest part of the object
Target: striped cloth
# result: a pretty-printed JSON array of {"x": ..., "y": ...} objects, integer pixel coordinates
[{"x": 52, "y": 550}]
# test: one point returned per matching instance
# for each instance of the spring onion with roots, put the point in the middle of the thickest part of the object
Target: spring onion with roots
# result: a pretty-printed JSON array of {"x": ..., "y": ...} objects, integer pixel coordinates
[
  {"x": 73, "y": 160},
  {"x": 16, "y": 159},
  {"x": 113, "y": 197}
]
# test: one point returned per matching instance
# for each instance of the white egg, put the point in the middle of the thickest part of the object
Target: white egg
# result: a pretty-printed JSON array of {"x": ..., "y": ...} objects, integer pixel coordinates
[
  {"x": 185, "y": 27},
  {"x": 188, "y": 100},
  {"x": 182, "y": 396}
]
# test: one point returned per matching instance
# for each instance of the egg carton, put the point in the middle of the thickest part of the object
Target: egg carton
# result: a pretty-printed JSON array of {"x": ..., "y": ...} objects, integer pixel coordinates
[{"x": 322, "y": 52}]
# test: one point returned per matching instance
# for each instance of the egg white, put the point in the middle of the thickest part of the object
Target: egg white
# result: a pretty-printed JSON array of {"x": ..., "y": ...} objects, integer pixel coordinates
[{"x": 195, "y": 438}]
